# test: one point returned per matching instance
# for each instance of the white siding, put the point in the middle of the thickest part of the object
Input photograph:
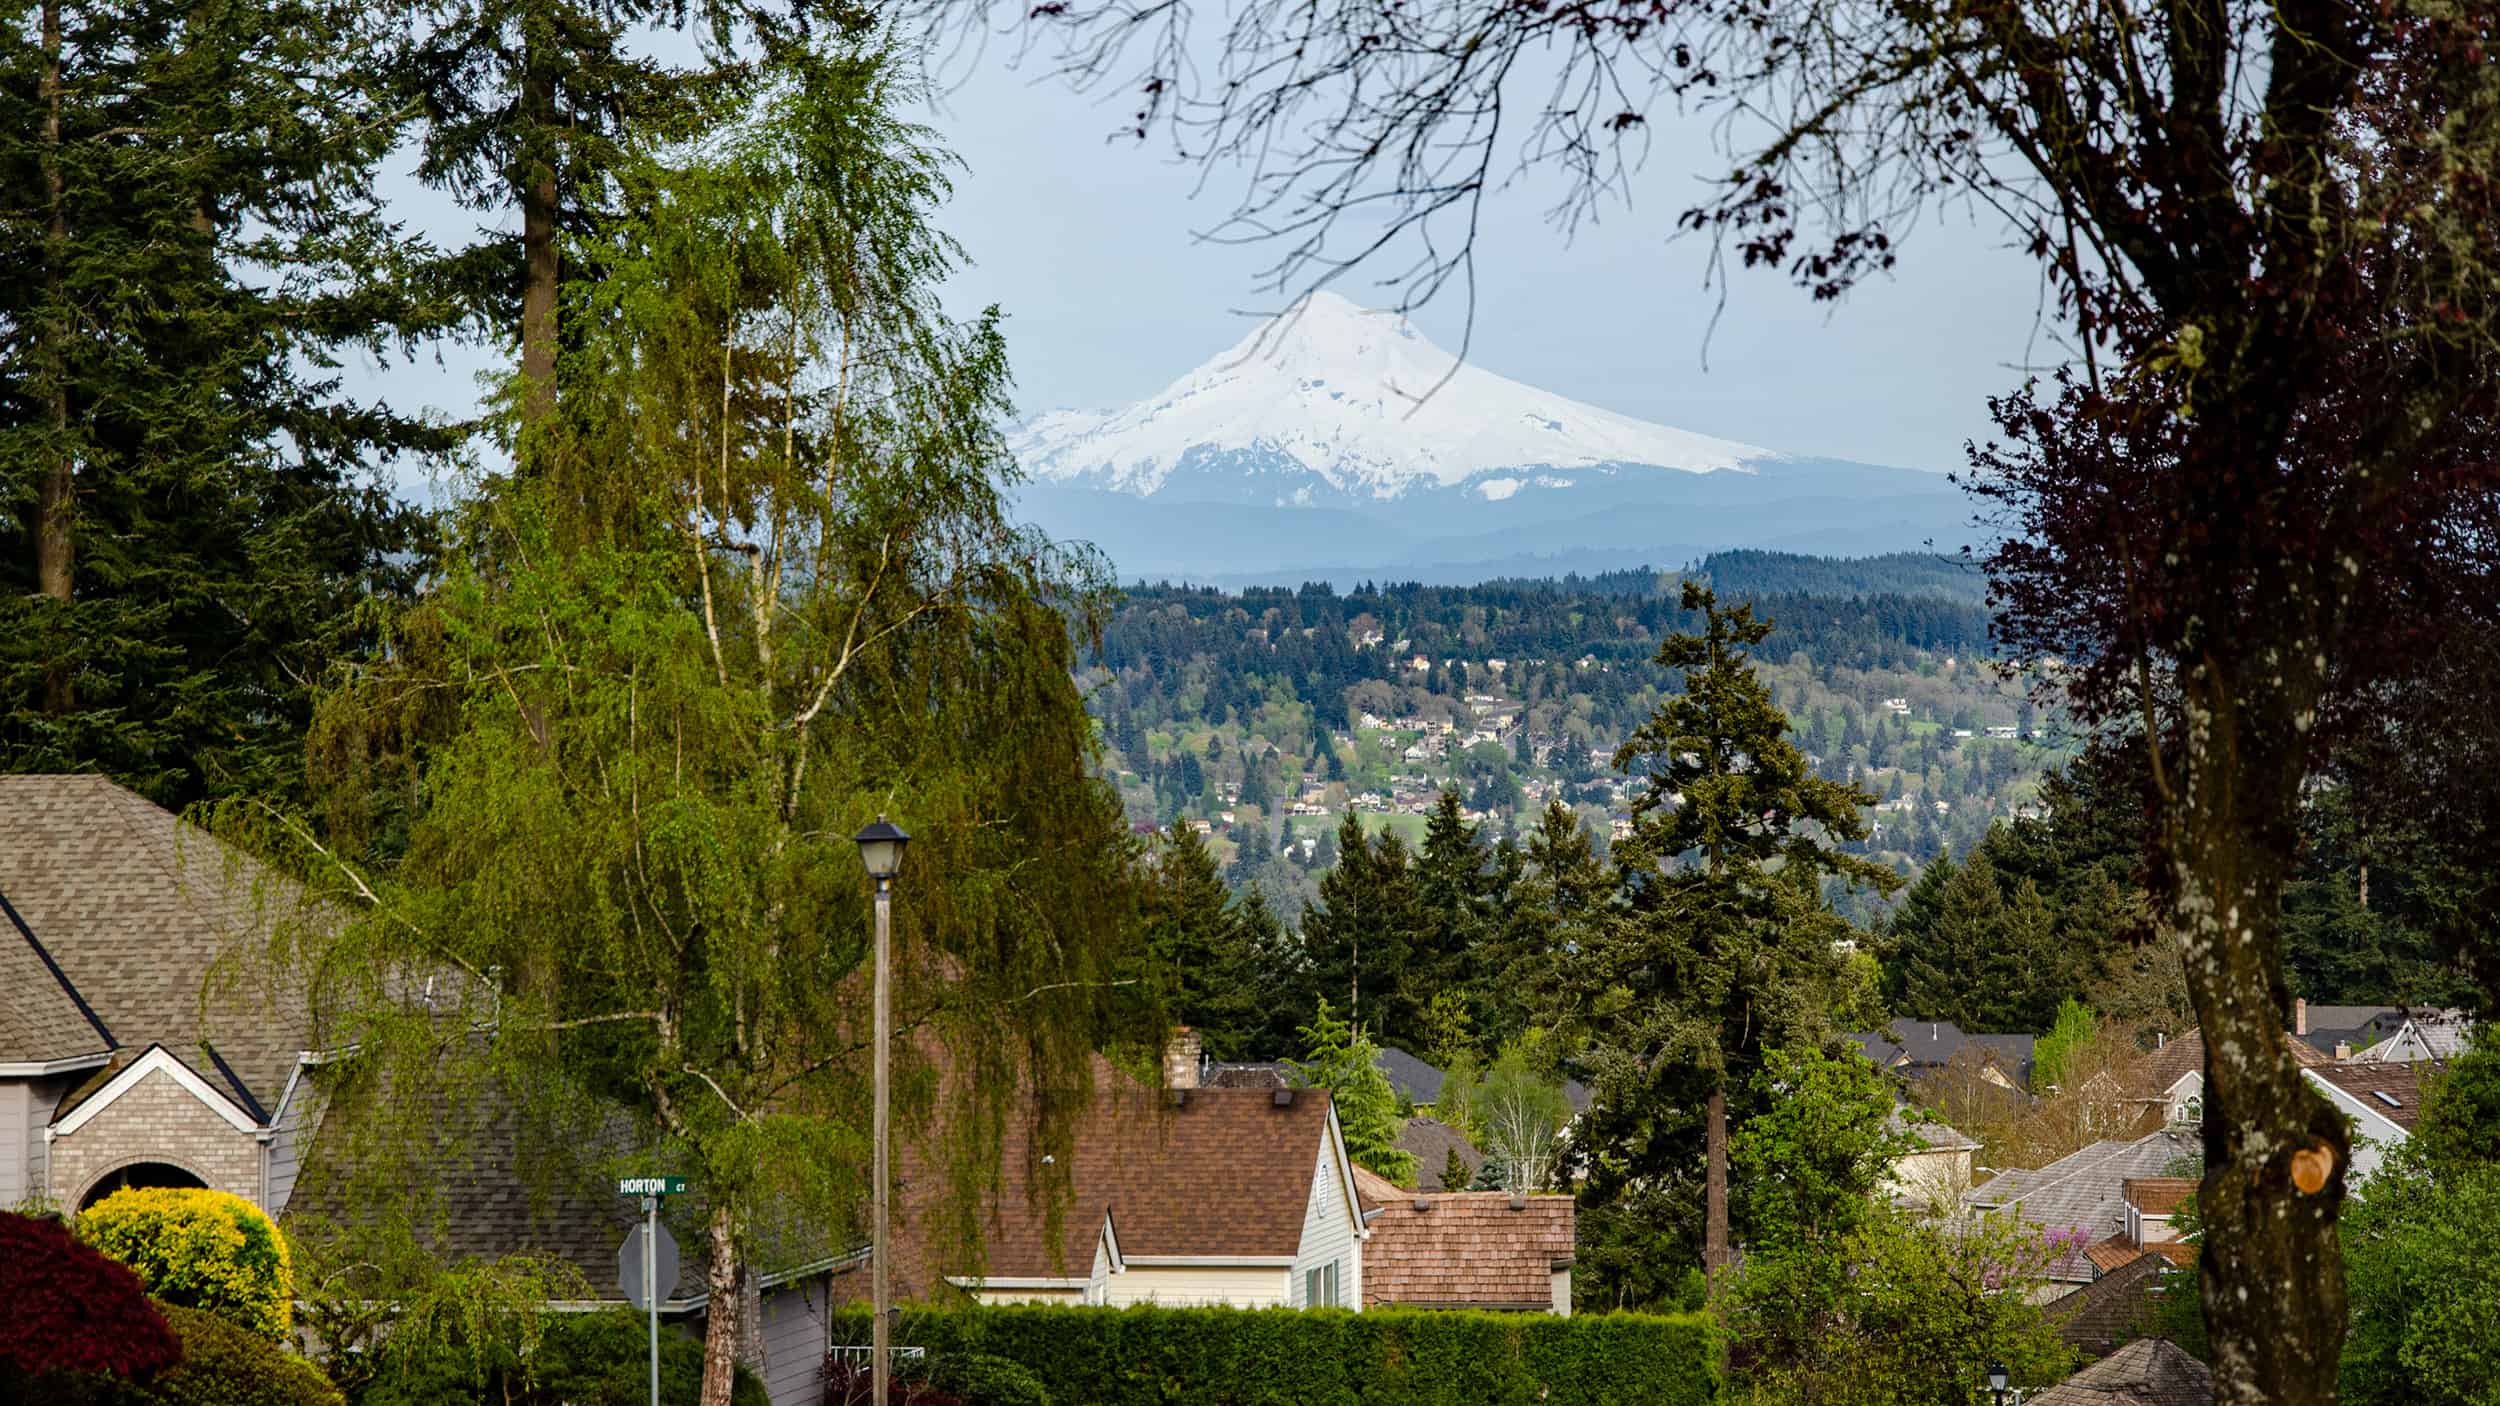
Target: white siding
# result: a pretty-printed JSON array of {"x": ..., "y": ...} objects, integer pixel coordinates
[
  {"x": 1199, "y": 1286},
  {"x": 18, "y": 1178},
  {"x": 1328, "y": 1234},
  {"x": 288, "y": 1139},
  {"x": 2374, "y": 1134},
  {"x": 795, "y": 1339}
]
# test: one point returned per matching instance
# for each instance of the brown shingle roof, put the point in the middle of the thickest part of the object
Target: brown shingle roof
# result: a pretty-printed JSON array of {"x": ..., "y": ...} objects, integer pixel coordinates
[
  {"x": 2157, "y": 1196},
  {"x": 2158, "y": 1070},
  {"x": 2113, "y": 1308},
  {"x": 2391, "y": 1090},
  {"x": 1220, "y": 1173},
  {"x": 1467, "y": 1250},
  {"x": 2146, "y": 1372},
  {"x": 135, "y": 907}
]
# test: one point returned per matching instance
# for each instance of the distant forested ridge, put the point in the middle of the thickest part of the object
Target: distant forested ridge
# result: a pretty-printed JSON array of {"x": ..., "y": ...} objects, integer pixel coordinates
[{"x": 1753, "y": 573}]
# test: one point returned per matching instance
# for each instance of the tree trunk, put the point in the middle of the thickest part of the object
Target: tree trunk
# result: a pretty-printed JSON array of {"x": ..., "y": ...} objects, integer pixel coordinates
[
  {"x": 56, "y": 499},
  {"x": 538, "y": 231},
  {"x": 2275, "y": 1151},
  {"x": 1715, "y": 1253},
  {"x": 724, "y": 1325}
]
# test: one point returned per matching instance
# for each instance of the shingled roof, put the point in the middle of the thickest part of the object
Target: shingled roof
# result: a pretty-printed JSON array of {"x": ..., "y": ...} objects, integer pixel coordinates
[
  {"x": 2393, "y": 1090},
  {"x": 2114, "y": 1308},
  {"x": 2146, "y": 1372},
  {"x": 2158, "y": 1070},
  {"x": 1468, "y": 1249},
  {"x": 116, "y": 909},
  {"x": 2085, "y": 1191},
  {"x": 1196, "y": 1172}
]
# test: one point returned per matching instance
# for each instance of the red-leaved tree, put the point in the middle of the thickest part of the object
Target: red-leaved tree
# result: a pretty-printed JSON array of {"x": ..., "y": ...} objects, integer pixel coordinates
[{"x": 71, "y": 1309}]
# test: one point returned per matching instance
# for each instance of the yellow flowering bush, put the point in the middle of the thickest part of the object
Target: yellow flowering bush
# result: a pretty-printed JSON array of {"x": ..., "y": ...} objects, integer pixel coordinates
[{"x": 200, "y": 1249}]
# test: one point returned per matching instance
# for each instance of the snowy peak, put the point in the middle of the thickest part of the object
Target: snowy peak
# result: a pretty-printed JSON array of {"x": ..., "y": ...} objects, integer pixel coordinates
[{"x": 1334, "y": 400}]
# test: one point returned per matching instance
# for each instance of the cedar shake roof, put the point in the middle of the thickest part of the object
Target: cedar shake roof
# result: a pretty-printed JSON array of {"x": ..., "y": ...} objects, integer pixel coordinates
[
  {"x": 2391, "y": 1090},
  {"x": 2157, "y": 1196},
  {"x": 2110, "y": 1310},
  {"x": 1464, "y": 1249},
  {"x": 133, "y": 907},
  {"x": 2118, "y": 1251},
  {"x": 2146, "y": 1372}
]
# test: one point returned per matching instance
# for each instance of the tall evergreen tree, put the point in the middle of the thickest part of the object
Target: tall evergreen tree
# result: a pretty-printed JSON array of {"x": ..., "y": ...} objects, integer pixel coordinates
[
  {"x": 1357, "y": 938},
  {"x": 194, "y": 517},
  {"x": 1207, "y": 952},
  {"x": 1725, "y": 949}
]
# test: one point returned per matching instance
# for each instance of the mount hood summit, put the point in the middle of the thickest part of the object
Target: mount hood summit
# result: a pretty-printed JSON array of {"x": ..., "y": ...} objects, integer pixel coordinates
[{"x": 1338, "y": 443}]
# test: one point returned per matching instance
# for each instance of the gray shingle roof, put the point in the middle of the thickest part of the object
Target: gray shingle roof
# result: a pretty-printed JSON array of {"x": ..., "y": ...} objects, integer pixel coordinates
[
  {"x": 2084, "y": 1191},
  {"x": 1913, "y": 1045},
  {"x": 135, "y": 907}
]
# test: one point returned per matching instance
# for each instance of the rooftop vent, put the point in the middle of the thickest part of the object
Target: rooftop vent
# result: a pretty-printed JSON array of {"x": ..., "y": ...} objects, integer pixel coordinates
[
  {"x": 1176, "y": 1097},
  {"x": 1518, "y": 1202},
  {"x": 1284, "y": 1098},
  {"x": 1423, "y": 1203}
]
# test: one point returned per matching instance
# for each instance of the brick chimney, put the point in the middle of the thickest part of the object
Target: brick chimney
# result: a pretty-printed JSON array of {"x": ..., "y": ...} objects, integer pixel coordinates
[
  {"x": 2300, "y": 1015},
  {"x": 1180, "y": 1059}
]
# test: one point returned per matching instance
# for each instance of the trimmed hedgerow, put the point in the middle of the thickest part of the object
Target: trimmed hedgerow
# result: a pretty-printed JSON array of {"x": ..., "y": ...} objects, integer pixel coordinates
[
  {"x": 226, "y": 1364},
  {"x": 199, "y": 1249},
  {"x": 1288, "y": 1357}
]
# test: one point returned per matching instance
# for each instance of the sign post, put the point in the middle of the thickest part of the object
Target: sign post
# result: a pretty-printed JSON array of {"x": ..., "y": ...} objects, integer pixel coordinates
[{"x": 649, "y": 1281}]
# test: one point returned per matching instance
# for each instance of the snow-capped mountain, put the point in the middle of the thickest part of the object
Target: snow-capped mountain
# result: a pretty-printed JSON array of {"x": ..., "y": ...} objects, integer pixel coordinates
[
  {"x": 1337, "y": 441},
  {"x": 1364, "y": 403}
]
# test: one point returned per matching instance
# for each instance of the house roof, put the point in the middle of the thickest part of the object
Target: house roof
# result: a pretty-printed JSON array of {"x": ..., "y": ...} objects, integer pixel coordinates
[
  {"x": 2105, "y": 1313},
  {"x": 1468, "y": 1249},
  {"x": 2118, "y": 1251},
  {"x": 1932, "y": 1136},
  {"x": 2084, "y": 1191},
  {"x": 2146, "y": 1372},
  {"x": 1432, "y": 1141},
  {"x": 1921, "y": 1044},
  {"x": 1201, "y": 1173},
  {"x": 2351, "y": 1025},
  {"x": 117, "y": 913},
  {"x": 2391, "y": 1088},
  {"x": 2157, "y": 1196},
  {"x": 2157, "y": 1071},
  {"x": 1415, "y": 1081},
  {"x": 2434, "y": 1035}
]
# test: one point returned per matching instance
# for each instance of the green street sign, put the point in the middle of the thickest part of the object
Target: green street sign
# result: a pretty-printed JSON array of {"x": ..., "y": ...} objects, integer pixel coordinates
[{"x": 650, "y": 1186}]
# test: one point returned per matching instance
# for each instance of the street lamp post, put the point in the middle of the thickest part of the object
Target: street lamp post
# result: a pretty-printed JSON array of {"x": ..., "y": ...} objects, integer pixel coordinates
[
  {"x": 1997, "y": 1379},
  {"x": 881, "y": 850}
]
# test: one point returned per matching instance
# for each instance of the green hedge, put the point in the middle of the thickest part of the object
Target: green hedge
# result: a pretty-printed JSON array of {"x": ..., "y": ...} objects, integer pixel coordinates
[{"x": 1289, "y": 1357}]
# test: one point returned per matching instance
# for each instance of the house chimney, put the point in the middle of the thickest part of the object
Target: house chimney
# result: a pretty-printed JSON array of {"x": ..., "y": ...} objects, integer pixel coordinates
[
  {"x": 2343, "y": 1049},
  {"x": 2300, "y": 1015},
  {"x": 1180, "y": 1059}
]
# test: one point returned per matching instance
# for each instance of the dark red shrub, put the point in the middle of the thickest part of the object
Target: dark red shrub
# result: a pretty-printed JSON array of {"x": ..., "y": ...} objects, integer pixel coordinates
[{"x": 71, "y": 1309}]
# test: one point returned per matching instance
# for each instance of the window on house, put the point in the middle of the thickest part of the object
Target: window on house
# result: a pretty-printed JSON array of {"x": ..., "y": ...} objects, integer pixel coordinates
[
  {"x": 1310, "y": 1288},
  {"x": 1334, "y": 1298}
]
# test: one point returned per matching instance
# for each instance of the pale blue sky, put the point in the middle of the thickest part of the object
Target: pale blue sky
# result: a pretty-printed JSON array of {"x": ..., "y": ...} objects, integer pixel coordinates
[{"x": 1091, "y": 247}]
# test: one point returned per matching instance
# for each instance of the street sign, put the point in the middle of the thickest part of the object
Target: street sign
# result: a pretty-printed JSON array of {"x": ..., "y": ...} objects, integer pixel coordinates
[
  {"x": 650, "y": 1186},
  {"x": 629, "y": 1264}
]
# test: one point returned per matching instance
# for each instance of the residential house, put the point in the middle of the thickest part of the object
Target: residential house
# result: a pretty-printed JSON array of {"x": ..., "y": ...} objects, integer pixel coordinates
[
  {"x": 2383, "y": 1100},
  {"x": 1182, "y": 1196},
  {"x": 2433, "y": 1036},
  {"x": 1937, "y": 1171},
  {"x": 1430, "y": 1142},
  {"x": 2115, "y": 1309},
  {"x": 1912, "y": 1047},
  {"x": 2145, "y": 1372},
  {"x": 123, "y": 1063},
  {"x": 2339, "y": 1030},
  {"x": 2083, "y": 1197},
  {"x": 1492, "y": 1251}
]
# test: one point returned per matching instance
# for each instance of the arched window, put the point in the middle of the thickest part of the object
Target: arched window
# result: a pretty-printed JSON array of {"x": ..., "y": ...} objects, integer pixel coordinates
[{"x": 139, "y": 1174}]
